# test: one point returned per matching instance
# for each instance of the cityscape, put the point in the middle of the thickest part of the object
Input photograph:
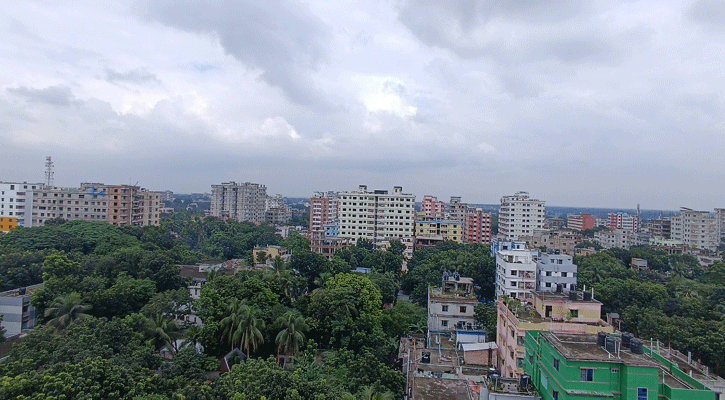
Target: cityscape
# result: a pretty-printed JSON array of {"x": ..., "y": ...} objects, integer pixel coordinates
[{"x": 383, "y": 200}]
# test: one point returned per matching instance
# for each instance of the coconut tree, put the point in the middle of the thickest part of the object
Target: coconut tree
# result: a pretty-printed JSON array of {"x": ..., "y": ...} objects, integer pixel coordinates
[
  {"x": 249, "y": 331},
  {"x": 236, "y": 311},
  {"x": 162, "y": 332},
  {"x": 370, "y": 394},
  {"x": 64, "y": 310},
  {"x": 193, "y": 336},
  {"x": 291, "y": 335}
]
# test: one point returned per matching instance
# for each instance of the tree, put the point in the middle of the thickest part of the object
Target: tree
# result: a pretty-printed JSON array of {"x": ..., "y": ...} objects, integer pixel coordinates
[
  {"x": 242, "y": 326},
  {"x": 64, "y": 310},
  {"x": 291, "y": 335},
  {"x": 163, "y": 332}
]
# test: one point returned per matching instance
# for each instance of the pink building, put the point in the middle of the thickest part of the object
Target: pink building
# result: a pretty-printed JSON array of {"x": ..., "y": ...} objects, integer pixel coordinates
[
  {"x": 623, "y": 221},
  {"x": 432, "y": 207},
  {"x": 477, "y": 226}
]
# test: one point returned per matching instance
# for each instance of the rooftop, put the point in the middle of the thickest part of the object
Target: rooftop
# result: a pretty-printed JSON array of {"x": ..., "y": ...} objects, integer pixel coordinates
[{"x": 22, "y": 291}]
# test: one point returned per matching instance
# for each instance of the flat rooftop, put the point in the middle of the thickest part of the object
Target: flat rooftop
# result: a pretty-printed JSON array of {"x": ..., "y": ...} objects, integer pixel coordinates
[
  {"x": 585, "y": 348},
  {"x": 553, "y": 296},
  {"x": 16, "y": 292}
]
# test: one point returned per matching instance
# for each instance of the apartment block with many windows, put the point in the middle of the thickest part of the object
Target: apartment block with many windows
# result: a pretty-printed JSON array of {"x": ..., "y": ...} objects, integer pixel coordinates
[
  {"x": 16, "y": 199},
  {"x": 519, "y": 215},
  {"x": 241, "y": 202},
  {"x": 377, "y": 216}
]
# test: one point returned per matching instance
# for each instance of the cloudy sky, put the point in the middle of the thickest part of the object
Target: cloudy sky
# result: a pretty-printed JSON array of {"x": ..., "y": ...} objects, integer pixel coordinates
[{"x": 596, "y": 103}]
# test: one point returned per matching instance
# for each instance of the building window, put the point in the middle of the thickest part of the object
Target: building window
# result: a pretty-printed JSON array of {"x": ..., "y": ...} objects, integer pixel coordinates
[
  {"x": 641, "y": 393},
  {"x": 556, "y": 364},
  {"x": 615, "y": 370},
  {"x": 463, "y": 309},
  {"x": 548, "y": 273},
  {"x": 514, "y": 272},
  {"x": 587, "y": 375},
  {"x": 555, "y": 395},
  {"x": 519, "y": 340},
  {"x": 531, "y": 360},
  {"x": 563, "y": 274},
  {"x": 444, "y": 323},
  {"x": 444, "y": 308},
  {"x": 574, "y": 313}
]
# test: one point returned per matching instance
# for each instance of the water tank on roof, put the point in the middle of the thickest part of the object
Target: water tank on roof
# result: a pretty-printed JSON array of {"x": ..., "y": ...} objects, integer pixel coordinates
[
  {"x": 525, "y": 381},
  {"x": 636, "y": 345},
  {"x": 587, "y": 296},
  {"x": 611, "y": 344},
  {"x": 601, "y": 337},
  {"x": 21, "y": 291},
  {"x": 573, "y": 296},
  {"x": 626, "y": 339}
]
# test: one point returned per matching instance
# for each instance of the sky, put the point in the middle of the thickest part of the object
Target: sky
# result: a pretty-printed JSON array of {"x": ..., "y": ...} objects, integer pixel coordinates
[{"x": 597, "y": 103}]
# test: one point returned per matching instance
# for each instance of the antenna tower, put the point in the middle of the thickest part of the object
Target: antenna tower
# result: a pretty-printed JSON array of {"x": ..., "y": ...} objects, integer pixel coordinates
[{"x": 49, "y": 171}]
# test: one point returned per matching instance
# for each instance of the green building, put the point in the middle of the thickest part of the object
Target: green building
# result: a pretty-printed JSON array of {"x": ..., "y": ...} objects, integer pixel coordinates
[{"x": 574, "y": 366}]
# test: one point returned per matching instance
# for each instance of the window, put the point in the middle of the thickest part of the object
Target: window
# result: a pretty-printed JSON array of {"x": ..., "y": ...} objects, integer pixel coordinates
[
  {"x": 563, "y": 274},
  {"x": 519, "y": 340},
  {"x": 444, "y": 308},
  {"x": 531, "y": 360},
  {"x": 555, "y": 395},
  {"x": 463, "y": 309},
  {"x": 514, "y": 272},
  {"x": 556, "y": 364},
  {"x": 444, "y": 323},
  {"x": 548, "y": 273},
  {"x": 574, "y": 313},
  {"x": 587, "y": 375},
  {"x": 615, "y": 370},
  {"x": 641, "y": 393},
  {"x": 513, "y": 284}
]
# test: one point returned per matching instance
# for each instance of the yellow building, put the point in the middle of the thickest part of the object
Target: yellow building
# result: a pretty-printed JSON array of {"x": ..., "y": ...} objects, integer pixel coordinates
[
  {"x": 8, "y": 223},
  {"x": 448, "y": 230},
  {"x": 270, "y": 251}
]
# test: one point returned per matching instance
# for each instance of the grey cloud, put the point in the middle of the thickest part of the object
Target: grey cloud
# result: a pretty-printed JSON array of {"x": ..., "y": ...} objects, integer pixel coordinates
[
  {"x": 137, "y": 76},
  {"x": 281, "y": 38},
  {"x": 711, "y": 12},
  {"x": 59, "y": 95}
]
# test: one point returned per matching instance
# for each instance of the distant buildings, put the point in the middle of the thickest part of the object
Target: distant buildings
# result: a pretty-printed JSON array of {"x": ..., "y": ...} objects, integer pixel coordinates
[
  {"x": 477, "y": 226},
  {"x": 696, "y": 229},
  {"x": 16, "y": 199},
  {"x": 17, "y": 312},
  {"x": 129, "y": 205},
  {"x": 580, "y": 222},
  {"x": 8, "y": 223},
  {"x": 241, "y": 202},
  {"x": 624, "y": 222},
  {"x": 437, "y": 229},
  {"x": 430, "y": 206},
  {"x": 377, "y": 215},
  {"x": 519, "y": 215}
]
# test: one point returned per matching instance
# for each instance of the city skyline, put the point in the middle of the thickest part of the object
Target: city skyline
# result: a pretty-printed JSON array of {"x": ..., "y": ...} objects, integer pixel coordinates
[{"x": 603, "y": 104}]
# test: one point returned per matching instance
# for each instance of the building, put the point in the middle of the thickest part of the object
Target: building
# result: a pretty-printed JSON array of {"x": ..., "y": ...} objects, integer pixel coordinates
[
  {"x": 450, "y": 307},
  {"x": 456, "y": 210},
  {"x": 16, "y": 199},
  {"x": 624, "y": 221},
  {"x": 617, "y": 238},
  {"x": 376, "y": 216},
  {"x": 503, "y": 244},
  {"x": 130, "y": 205},
  {"x": 696, "y": 229},
  {"x": 277, "y": 212},
  {"x": 567, "y": 366},
  {"x": 89, "y": 202},
  {"x": 660, "y": 228},
  {"x": 270, "y": 252},
  {"x": 555, "y": 273},
  {"x": 548, "y": 240},
  {"x": 240, "y": 202},
  {"x": 431, "y": 207},
  {"x": 434, "y": 226},
  {"x": 477, "y": 226},
  {"x": 555, "y": 312},
  {"x": 516, "y": 273},
  {"x": 519, "y": 215},
  {"x": 580, "y": 222},
  {"x": 8, "y": 223},
  {"x": 17, "y": 312}
]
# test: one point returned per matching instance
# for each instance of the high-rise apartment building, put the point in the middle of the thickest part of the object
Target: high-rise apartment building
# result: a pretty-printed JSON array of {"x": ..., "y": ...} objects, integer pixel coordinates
[
  {"x": 516, "y": 273},
  {"x": 88, "y": 202},
  {"x": 431, "y": 207},
  {"x": 477, "y": 226},
  {"x": 130, "y": 205},
  {"x": 456, "y": 209},
  {"x": 241, "y": 202},
  {"x": 519, "y": 215},
  {"x": 624, "y": 221},
  {"x": 660, "y": 228},
  {"x": 276, "y": 210},
  {"x": 376, "y": 216},
  {"x": 697, "y": 229},
  {"x": 16, "y": 199}
]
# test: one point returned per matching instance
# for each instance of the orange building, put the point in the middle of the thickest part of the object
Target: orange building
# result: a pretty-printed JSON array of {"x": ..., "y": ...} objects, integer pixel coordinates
[
  {"x": 132, "y": 205},
  {"x": 8, "y": 223}
]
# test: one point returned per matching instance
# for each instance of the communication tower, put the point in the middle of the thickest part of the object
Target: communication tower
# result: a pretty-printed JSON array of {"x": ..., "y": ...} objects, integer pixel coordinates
[{"x": 49, "y": 171}]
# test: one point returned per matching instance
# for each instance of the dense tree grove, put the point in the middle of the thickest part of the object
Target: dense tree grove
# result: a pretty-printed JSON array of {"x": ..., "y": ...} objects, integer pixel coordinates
[
  {"x": 113, "y": 303},
  {"x": 675, "y": 301}
]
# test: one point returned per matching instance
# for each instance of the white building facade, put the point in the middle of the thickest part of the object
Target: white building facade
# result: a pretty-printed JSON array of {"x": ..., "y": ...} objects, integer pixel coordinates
[
  {"x": 242, "y": 202},
  {"x": 555, "y": 272},
  {"x": 377, "y": 216},
  {"x": 516, "y": 273},
  {"x": 16, "y": 200},
  {"x": 697, "y": 229},
  {"x": 519, "y": 215}
]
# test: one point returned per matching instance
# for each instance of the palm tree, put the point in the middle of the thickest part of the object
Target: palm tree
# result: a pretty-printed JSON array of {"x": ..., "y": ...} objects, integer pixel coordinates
[
  {"x": 291, "y": 336},
  {"x": 163, "y": 332},
  {"x": 242, "y": 326},
  {"x": 64, "y": 310},
  {"x": 193, "y": 336},
  {"x": 370, "y": 394}
]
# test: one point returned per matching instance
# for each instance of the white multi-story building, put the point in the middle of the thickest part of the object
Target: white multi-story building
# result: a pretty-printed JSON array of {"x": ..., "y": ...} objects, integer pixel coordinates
[
  {"x": 451, "y": 306},
  {"x": 242, "y": 202},
  {"x": 16, "y": 200},
  {"x": 516, "y": 273},
  {"x": 277, "y": 210},
  {"x": 555, "y": 273},
  {"x": 519, "y": 215},
  {"x": 697, "y": 229},
  {"x": 377, "y": 216},
  {"x": 89, "y": 202}
]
